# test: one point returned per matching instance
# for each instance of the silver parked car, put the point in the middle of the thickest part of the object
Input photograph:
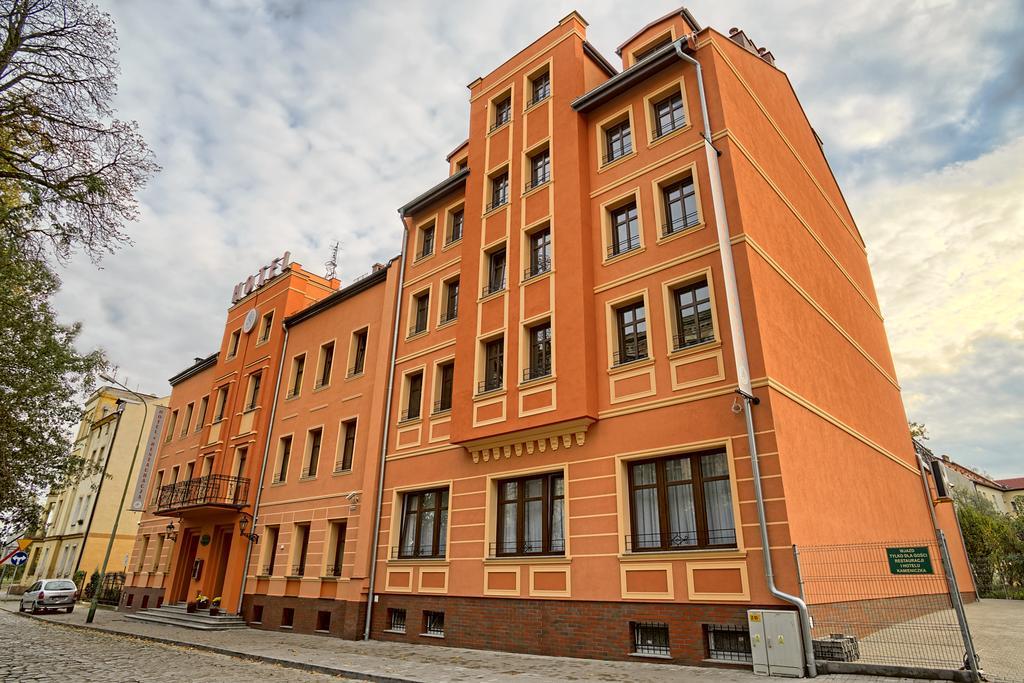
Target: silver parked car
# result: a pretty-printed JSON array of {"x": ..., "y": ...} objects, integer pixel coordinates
[{"x": 48, "y": 594}]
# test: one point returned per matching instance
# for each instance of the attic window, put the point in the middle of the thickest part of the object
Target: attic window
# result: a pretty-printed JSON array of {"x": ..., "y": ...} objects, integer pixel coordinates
[{"x": 651, "y": 48}]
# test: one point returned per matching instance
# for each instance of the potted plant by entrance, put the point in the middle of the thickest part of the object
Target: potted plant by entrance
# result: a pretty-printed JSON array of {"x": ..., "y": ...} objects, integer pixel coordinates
[
  {"x": 215, "y": 606},
  {"x": 202, "y": 602},
  {"x": 190, "y": 607}
]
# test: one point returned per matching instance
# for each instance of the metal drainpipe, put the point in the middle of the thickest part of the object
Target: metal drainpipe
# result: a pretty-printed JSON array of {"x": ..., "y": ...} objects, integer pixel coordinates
[
  {"x": 263, "y": 468},
  {"x": 740, "y": 354},
  {"x": 371, "y": 595}
]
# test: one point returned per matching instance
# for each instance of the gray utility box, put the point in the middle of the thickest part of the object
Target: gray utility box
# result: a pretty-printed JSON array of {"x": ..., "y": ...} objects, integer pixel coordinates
[{"x": 775, "y": 642}]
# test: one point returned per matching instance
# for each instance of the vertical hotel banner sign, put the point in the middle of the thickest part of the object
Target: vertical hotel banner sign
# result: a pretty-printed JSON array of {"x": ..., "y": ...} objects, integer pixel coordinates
[{"x": 148, "y": 460}]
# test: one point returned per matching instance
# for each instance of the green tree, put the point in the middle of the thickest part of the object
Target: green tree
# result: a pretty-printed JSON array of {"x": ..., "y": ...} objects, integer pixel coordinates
[
  {"x": 42, "y": 379},
  {"x": 995, "y": 545},
  {"x": 69, "y": 170}
]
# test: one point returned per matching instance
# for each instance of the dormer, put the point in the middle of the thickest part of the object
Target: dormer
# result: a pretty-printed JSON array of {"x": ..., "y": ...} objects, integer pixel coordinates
[
  {"x": 458, "y": 158},
  {"x": 657, "y": 35}
]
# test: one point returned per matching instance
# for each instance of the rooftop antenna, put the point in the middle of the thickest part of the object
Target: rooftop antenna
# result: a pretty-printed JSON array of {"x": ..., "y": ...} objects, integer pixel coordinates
[{"x": 332, "y": 263}]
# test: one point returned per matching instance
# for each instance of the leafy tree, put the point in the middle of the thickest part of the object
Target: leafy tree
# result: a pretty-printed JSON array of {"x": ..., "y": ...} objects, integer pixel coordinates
[
  {"x": 995, "y": 545},
  {"x": 69, "y": 170},
  {"x": 918, "y": 430},
  {"x": 42, "y": 377}
]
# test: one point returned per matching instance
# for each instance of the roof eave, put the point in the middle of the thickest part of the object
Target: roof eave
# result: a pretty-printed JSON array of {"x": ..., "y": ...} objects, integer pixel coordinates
[
  {"x": 627, "y": 79},
  {"x": 444, "y": 187}
]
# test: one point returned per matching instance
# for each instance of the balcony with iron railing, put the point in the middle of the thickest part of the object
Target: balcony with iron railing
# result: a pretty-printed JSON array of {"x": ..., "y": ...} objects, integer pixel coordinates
[{"x": 213, "y": 490}]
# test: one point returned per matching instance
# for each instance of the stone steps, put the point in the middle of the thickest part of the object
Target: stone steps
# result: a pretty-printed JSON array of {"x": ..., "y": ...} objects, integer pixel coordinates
[{"x": 177, "y": 615}]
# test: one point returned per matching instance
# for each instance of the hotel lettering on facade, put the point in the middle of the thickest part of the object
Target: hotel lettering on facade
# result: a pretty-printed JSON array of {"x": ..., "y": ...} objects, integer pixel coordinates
[{"x": 525, "y": 432}]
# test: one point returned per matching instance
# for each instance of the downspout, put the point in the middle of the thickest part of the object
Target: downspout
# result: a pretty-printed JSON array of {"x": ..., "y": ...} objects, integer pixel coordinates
[
  {"x": 99, "y": 487},
  {"x": 263, "y": 469},
  {"x": 742, "y": 365},
  {"x": 371, "y": 595}
]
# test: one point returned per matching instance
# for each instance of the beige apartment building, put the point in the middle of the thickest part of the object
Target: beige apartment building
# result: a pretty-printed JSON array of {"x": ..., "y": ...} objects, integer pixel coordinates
[{"x": 78, "y": 519}]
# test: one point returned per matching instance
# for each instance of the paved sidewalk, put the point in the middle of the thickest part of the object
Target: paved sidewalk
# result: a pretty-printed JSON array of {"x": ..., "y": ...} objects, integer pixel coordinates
[{"x": 400, "y": 662}]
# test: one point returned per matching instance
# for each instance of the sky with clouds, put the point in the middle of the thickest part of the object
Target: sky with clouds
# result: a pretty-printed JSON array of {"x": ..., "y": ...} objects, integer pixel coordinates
[{"x": 286, "y": 124}]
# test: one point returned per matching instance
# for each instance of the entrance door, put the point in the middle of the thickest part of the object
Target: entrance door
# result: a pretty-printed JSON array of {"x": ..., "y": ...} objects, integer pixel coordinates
[
  {"x": 222, "y": 560},
  {"x": 183, "y": 571}
]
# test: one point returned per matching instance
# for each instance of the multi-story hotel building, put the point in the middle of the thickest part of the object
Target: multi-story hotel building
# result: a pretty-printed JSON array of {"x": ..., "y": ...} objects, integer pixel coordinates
[
  {"x": 542, "y": 427},
  {"x": 78, "y": 519}
]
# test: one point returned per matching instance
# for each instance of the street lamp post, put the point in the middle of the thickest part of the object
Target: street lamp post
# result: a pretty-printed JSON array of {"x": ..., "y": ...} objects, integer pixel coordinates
[{"x": 124, "y": 494}]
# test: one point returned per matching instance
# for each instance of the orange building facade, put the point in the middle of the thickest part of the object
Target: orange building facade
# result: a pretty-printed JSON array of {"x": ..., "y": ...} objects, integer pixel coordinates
[{"x": 535, "y": 436}]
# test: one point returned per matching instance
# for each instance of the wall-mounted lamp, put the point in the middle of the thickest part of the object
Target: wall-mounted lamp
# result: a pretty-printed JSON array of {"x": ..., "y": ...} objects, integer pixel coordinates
[
  {"x": 171, "y": 532},
  {"x": 243, "y": 523}
]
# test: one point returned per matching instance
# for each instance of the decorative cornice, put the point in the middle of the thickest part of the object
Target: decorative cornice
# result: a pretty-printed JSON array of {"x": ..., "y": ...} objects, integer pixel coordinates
[{"x": 530, "y": 441}]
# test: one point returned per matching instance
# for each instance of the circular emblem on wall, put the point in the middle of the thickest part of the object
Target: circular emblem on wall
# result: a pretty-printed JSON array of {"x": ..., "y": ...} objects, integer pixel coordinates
[
  {"x": 204, "y": 539},
  {"x": 250, "y": 320}
]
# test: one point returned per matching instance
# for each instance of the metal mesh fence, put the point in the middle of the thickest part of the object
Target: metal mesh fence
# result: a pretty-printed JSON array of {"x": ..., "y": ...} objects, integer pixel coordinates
[{"x": 881, "y": 603}]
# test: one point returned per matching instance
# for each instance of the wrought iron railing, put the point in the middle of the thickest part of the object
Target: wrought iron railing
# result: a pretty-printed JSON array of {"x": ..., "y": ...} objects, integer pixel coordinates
[
  {"x": 538, "y": 371},
  {"x": 539, "y": 97},
  {"x": 662, "y": 131},
  {"x": 499, "y": 202},
  {"x": 537, "y": 182},
  {"x": 681, "y": 223},
  {"x": 334, "y": 570},
  {"x": 681, "y": 342},
  {"x": 493, "y": 287},
  {"x": 409, "y": 414},
  {"x": 616, "y": 154},
  {"x": 631, "y": 353},
  {"x": 442, "y": 406},
  {"x": 424, "y": 552},
  {"x": 218, "y": 490},
  {"x": 500, "y": 121},
  {"x": 539, "y": 267},
  {"x": 355, "y": 370},
  {"x": 670, "y": 540},
  {"x": 417, "y": 328},
  {"x": 449, "y": 315},
  {"x": 556, "y": 546},
  {"x": 268, "y": 570},
  {"x": 299, "y": 569},
  {"x": 622, "y": 246},
  {"x": 489, "y": 384}
]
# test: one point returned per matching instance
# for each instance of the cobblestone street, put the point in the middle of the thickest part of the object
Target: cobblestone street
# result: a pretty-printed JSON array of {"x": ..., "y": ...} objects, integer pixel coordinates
[{"x": 35, "y": 650}]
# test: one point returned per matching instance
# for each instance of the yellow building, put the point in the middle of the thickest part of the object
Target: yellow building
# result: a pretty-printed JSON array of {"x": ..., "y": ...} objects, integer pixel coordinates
[{"x": 78, "y": 519}]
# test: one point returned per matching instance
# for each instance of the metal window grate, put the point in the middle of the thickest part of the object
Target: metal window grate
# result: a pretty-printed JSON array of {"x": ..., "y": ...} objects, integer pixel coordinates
[
  {"x": 650, "y": 638},
  {"x": 503, "y": 548},
  {"x": 396, "y": 620},
  {"x": 433, "y": 623},
  {"x": 727, "y": 642},
  {"x": 679, "y": 224}
]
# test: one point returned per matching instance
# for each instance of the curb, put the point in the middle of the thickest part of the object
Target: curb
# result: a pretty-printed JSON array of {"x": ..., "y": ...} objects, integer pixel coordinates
[{"x": 287, "y": 663}]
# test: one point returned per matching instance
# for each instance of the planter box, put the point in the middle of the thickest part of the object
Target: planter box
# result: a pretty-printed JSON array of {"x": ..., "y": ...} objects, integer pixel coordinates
[{"x": 191, "y": 608}]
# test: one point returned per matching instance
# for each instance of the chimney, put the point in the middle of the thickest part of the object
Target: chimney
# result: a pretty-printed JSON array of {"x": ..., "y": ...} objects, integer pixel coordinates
[
  {"x": 377, "y": 267},
  {"x": 945, "y": 458}
]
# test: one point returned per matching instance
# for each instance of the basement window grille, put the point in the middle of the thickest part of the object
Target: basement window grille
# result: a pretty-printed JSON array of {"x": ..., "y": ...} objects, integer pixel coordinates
[
  {"x": 396, "y": 620},
  {"x": 727, "y": 642},
  {"x": 433, "y": 623},
  {"x": 650, "y": 638}
]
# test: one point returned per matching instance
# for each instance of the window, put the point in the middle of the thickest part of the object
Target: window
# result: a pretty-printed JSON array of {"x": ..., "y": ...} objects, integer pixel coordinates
[
  {"x": 426, "y": 242},
  {"x": 413, "y": 396},
  {"x": 323, "y": 621},
  {"x": 348, "y": 445},
  {"x": 727, "y": 642},
  {"x": 338, "y": 549},
  {"x": 540, "y": 88},
  {"x": 618, "y": 141},
  {"x": 451, "y": 301},
  {"x": 530, "y": 514},
  {"x": 455, "y": 230},
  {"x": 359, "y": 354},
  {"x": 502, "y": 112},
  {"x": 300, "y": 543},
  {"x": 204, "y": 402},
  {"x": 462, "y": 163},
  {"x": 650, "y": 638},
  {"x": 446, "y": 381},
  {"x": 233, "y": 343},
  {"x": 433, "y": 623},
  {"x": 496, "y": 262},
  {"x": 298, "y": 367},
  {"x": 669, "y": 115},
  {"x": 170, "y": 427},
  {"x": 680, "y": 206},
  {"x": 220, "y": 404},
  {"x": 499, "y": 191},
  {"x": 631, "y": 321},
  {"x": 266, "y": 324},
  {"x": 253, "y": 397},
  {"x": 421, "y": 309},
  {"x": 540, "y": 169},
  {"x": 257, "y": 614},
  {"x": 189, "y": 409},
  {"x": 424, "y": 524},
  {"x": 681, "y": 502},
  {"x": 540, "y": 352},
  {"x": 142, "y": 553},
  {"x": 625, "y": 226},
  {"x": 284, "y": 454},
  {"x": 494, "y": 366},
  {"x": 271, "y": 535},
  {"x": 396, "y": 620},
  {"x": 694, "y": 324},
  {"x": 156, "y": 487},
  {"x": 540, "y": 253},
  {"x": 158, "y": 551},
  {"x": 314, "y": 439},
  {"x": 326, "y": 363},
  {"x": 646, "y": 52},
  {"x": 287, "y": 617}
]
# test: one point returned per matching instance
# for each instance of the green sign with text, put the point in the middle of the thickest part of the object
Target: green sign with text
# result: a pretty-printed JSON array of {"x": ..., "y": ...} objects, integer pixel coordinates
[{"x": 909, "y": 560}]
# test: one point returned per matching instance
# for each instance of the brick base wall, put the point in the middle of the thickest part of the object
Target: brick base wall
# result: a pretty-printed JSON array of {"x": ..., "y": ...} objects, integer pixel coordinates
[
  {"x": 136, "y": 596},
  {"x": 563, "y": 628},
  {"x": 346, "y": 620}
]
